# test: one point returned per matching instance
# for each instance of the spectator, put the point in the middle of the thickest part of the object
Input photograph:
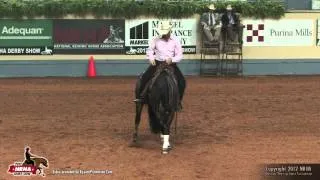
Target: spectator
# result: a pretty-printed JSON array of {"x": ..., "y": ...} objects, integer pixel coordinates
[
  {"x": 210, "y": 23},
  {"x": 231, "y": 27}
]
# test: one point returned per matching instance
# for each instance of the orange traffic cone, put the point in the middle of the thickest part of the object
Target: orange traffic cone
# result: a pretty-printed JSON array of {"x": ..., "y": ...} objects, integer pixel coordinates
[{"x": 91, "y": 68}]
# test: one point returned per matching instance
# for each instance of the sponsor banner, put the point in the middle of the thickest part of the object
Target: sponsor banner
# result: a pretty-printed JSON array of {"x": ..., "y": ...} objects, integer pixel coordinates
[
  {"x": 143, "y": 50},
  {"x": 139, "y": 33},
  {"x": 278, "y": 32},
  {"x": 89, "y": 36},
  {"x": 318, "y": 32},
  {"x": 26, "y": 37},
  {"x": 25, "y": 51},
  {"x": 316, "y": 4}
]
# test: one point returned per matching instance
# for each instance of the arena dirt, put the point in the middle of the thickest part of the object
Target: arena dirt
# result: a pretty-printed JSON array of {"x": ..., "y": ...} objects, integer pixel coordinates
[{"x": 227, "y": 128}]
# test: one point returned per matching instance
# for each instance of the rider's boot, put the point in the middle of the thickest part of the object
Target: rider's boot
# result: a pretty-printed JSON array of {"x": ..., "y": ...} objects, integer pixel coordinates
[{"x": 140, "y": 99}]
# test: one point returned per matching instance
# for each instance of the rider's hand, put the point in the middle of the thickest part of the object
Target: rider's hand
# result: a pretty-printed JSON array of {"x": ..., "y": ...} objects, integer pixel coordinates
[
  {"x": 169, "y": 61},
  {"x": 153, "y": 62}
]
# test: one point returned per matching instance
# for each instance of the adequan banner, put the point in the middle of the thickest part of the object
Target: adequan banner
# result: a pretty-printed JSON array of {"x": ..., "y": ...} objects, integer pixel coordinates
[
  {"x": 283, "y": 32},
  {"x": 139, "y": 32},
  {"x": 89, "y": 36},
  {"x": 26, "y": 37}
]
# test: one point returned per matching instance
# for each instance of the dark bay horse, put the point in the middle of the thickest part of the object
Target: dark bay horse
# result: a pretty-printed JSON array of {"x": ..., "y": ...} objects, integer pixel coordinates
[{"x": 162, "y": 98}]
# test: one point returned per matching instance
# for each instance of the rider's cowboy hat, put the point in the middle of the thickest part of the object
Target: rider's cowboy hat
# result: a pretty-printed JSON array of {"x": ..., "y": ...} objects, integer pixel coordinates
[
  {"x": 211, "y": 7},
  {"x": 229, "y": 7},
  {"x": 164, "y": 27}
]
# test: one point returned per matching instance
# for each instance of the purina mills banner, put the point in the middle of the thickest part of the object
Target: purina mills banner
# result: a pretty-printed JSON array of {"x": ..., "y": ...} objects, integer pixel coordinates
[
  {"x": 296, "y": 32},
  {"x": 140, "y": 32},
  {"x": 26, "y": 37}
]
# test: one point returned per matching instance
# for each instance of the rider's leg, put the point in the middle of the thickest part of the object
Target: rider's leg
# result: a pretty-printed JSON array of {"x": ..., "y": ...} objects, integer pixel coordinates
[
  {"x": 146, "y": 76},
  {"x": 181, "y": 82},
  {"x": 29, "y": 161}
]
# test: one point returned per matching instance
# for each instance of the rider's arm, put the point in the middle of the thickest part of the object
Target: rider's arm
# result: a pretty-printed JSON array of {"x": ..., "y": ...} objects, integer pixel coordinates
[
  {"x": 178, "y": 52},
  {"x": 151, "y": 50}
]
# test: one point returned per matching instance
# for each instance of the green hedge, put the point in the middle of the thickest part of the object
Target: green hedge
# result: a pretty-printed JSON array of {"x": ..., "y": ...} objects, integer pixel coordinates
[{"x": 132, "y": 9}]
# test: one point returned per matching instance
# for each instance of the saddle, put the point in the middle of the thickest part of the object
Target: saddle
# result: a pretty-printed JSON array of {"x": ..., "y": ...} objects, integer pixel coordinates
[{"x": 163, "y": 66}]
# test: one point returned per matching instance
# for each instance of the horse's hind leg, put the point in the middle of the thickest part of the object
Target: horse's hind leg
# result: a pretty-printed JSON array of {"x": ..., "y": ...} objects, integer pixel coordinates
[{"x": 139, "y": 107}]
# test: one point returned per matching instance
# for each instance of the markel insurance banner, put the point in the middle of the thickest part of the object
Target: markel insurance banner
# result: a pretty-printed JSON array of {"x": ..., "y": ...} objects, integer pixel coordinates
[
  {"x": 284, "y": 32},
  {"x": 26, "y": 37},
  {"x": 139, "y": 32}
]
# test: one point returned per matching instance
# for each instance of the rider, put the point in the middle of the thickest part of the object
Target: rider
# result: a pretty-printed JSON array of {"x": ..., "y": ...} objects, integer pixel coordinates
[
  {"x": 210, "y": 22},
  {"x": 28, "y": 157},
  {"x": 166, "y": 48}
]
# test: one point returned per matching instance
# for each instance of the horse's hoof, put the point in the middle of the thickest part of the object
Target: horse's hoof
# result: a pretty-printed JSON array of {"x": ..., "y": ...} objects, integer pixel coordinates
[
  {"x": 134, "y": 144},
  {"x": 166, "y": 150}
]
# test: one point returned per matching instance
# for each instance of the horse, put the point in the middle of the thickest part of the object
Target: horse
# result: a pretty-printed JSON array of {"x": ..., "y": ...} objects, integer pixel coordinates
[
  {"x": 37, "y": 161},
  {"x": 162, "y": 98}
]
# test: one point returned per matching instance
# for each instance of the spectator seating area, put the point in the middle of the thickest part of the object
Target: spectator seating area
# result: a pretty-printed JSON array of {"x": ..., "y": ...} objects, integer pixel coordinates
[{"x": 223, "y": 56}]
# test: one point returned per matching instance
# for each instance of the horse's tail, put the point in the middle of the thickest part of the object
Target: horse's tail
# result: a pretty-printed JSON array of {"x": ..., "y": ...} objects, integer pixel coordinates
[{"x": 163, "y": 99}]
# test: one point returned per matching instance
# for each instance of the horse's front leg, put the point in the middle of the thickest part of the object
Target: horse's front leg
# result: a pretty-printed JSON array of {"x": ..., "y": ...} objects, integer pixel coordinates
[
  {"x": 166, "y": 147},
  {"x": 139, "y": 106},
  {"x": 39, "y": 170}
]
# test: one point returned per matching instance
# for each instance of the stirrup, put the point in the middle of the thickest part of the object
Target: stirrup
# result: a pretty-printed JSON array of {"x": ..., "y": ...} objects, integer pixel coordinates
[
  {"x": 138, "y": 100},
  {"x": 179, "y": 108}
]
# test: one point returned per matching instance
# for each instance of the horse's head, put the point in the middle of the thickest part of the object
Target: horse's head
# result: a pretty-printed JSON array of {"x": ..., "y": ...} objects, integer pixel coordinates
[{"x": 42, "y": 161}]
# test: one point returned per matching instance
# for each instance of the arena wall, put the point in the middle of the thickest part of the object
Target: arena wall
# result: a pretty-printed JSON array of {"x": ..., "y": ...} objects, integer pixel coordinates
[{"x": 258, "y": 60}]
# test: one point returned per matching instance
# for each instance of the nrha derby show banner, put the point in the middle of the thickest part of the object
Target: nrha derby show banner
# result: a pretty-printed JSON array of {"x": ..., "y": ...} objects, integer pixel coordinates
[
  {"x": 139, "y": 32},
  {"x": 26, "y": 37}
]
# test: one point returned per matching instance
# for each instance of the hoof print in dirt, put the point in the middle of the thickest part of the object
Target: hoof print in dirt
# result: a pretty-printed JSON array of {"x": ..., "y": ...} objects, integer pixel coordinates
[{"x": 134, "y": 144}]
